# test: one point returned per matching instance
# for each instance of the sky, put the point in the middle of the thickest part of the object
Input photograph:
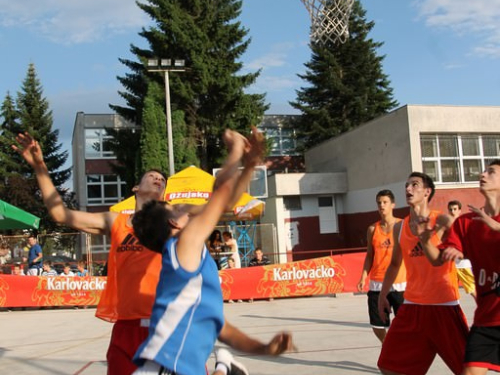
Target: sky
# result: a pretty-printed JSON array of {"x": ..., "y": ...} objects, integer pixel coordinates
[{"x": 436, "y": 51}]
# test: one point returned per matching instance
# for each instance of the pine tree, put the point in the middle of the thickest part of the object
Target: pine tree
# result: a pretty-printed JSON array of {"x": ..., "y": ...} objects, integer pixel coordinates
[
  {"x": 32, "y": 114},
  {"x": 153, "y": 144},
  {"x": 346, "y": 85},
  {"x": 9, "y": 121},
  {"x": 210, "y": 92}
]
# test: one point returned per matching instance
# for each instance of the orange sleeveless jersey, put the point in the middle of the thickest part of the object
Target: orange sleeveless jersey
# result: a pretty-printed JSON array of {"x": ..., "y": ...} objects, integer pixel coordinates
[
  {"x": 426, "y": 284},
  {"x": 382, "y": 244},
  {"x": 133, "y": 274}
]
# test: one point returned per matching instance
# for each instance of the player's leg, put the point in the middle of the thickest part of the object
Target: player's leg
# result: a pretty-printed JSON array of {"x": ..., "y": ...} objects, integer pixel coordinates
[{"x": 378, "y": 325}]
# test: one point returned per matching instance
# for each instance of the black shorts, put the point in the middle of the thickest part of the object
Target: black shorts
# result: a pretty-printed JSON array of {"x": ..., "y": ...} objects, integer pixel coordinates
[
  {"x": 395, "y": 299},
  {"x": 483, "y": 348}
]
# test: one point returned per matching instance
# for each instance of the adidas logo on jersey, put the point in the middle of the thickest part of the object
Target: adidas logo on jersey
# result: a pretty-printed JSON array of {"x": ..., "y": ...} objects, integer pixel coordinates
[
  {"x": 417, "y": 251},
  {"x": 130, "y": 243}
]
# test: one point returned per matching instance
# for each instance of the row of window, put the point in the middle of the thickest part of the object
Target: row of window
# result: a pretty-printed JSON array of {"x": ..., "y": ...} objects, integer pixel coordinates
[{"x": 458, "y": 158}]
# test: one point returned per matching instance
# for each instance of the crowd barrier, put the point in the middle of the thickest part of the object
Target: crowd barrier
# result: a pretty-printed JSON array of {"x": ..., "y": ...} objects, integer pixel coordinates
[{"x": 319, "y": 276}]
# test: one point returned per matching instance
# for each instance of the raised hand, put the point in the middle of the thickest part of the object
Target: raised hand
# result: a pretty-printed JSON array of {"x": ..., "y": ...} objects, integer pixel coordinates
[
  {"x": 257, "y": 143},
  {"x": 29, "y": 149},
  {"x": 482, "y": 216}
]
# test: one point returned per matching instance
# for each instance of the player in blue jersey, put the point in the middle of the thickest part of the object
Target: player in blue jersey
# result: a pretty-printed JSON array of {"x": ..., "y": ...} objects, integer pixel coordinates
[{"x": 187, "y": 316}]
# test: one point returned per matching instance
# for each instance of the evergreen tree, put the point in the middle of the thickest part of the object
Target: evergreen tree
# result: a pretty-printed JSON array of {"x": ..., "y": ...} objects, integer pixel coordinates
[
  {"x": 31, "y": 114},
  {"x": 153, "y": 145},
  {"x": 346, "y": 84},
  {"x": 9, "y": 121},
  {"x": 210, "y": 92}
]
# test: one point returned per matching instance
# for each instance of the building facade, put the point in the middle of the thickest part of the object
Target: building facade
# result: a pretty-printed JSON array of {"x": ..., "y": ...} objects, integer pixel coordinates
[
  {"x": 452, "y": 144},
  {"x": 95, "y": 184}
]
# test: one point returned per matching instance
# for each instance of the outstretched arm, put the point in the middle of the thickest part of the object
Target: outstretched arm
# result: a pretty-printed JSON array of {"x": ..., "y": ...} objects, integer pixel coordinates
[
  {"x": 367, "y": 265},
  {"x": 192, "y": 237},
  {"x": 96, "y": 223},
  {"x": 236, "y": 339}
]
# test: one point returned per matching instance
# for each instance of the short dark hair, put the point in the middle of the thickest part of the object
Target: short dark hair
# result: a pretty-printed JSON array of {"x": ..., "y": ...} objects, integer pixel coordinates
[
  {"x": 427, "y": 180},
  {"x": 385, "y": 193},
  {"x": 494, "y": 162},
  {"x": 151, "y": 225},
  {"x": 226, "y": 233},
  {"x": 152, "y": 170},
  {"x": 455, "y": 203}
]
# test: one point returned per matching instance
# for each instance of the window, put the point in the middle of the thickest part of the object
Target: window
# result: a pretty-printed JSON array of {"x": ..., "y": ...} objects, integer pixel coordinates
[
  {"x": 96, "y": 145},
  {"x": 292, "y": 203},
  {"x": 104, "y": 189},
  {"x": 99, "y": 244},
  {"x": 457, "y": 158},
  {"x": 283, "y": 141},
  {"x": 327, "y": 215}
]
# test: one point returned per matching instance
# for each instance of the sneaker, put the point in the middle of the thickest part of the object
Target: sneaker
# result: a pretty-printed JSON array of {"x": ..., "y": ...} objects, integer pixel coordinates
[{"x": 233, "y": 367}]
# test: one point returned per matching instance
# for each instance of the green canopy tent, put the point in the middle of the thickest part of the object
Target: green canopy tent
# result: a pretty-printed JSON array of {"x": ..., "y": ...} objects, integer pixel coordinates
[{"x": 12, "y": 217}]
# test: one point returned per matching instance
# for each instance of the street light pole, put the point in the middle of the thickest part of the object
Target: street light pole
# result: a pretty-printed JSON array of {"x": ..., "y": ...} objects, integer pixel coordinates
[
  {"x": 170, "y": 140},
  {"x": 165, "y": 66}
]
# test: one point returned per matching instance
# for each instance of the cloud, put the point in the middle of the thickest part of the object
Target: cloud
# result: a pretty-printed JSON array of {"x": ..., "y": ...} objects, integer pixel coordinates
[
  {"x": 72, "y": 22},
  {"x": 480, "y": 18}
]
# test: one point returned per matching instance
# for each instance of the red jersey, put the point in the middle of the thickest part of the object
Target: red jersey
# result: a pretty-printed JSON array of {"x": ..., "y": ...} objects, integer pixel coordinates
[
  {"x": 426, "y": 284},
  {"x": 481, "y": 246},
  {"x": 133, "y": 274}
]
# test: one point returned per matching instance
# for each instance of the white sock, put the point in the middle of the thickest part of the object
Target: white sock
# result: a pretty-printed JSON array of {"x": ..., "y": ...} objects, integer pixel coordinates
[{"x": 222, "y": 368}]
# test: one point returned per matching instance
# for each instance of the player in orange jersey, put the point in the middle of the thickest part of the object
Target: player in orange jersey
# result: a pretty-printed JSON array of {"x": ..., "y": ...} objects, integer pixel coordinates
[
  {"x": 378, "y": 256},
  {"x": 430, "y": 321}
]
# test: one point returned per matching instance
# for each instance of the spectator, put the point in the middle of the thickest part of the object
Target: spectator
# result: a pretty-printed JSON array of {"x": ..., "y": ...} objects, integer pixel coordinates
[
  {"x": 35, "y": 257},
  {"x": 67, "y": 271},
  {"x": 48, "y": 270},
  {"x": 232, "y": 246},
  {"x": 259, "y": 259},
  {"x": 82, "y": 271},
  {"x": 215, "y": 246},
  {"x": 18, "y": 270}
]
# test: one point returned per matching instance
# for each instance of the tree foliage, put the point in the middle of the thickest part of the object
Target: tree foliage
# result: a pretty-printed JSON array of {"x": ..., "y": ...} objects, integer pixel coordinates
[
  {"x": 346, "y": 84},
  {"x": 210, "y": 93},
  {"x": 30, "y": 113}
]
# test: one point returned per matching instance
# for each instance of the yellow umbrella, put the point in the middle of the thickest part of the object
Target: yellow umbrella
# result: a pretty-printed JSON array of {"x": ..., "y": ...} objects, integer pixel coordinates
[
  {"x": 191, "y": 185},
  {"x": 248, "y": 207},
  {"x": 126, "y": 206}
]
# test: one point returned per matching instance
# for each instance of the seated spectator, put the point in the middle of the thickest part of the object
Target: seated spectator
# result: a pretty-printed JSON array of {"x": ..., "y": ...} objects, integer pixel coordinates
[
  {"x": 259, "y": 259},
  {"x": 82, "y": 271},
  {"x": 18, "y": 270},
  {"x": 48, "y": 270},
  {"x": 67, "y": 271}
]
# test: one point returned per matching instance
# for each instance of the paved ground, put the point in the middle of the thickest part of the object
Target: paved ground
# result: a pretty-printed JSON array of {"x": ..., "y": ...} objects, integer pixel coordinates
[{"x": 331, "y": 334}]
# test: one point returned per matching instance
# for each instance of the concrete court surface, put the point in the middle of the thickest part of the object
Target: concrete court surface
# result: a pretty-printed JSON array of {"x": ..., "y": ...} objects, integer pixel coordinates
[{"x": 331, "y": 334}]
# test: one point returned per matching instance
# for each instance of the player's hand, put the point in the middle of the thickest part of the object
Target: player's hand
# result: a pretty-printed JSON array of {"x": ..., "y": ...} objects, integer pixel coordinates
[
  {"x": 451, "y": 254},
  {"x": 29, "y": 149},
  {"x": 384, "y": 308},
  {"x": 361, "y": 285},
  {"x": 256, "y": 147},
  {"x": 482, "y": 216},
  {"x": 280, "y": 343}
]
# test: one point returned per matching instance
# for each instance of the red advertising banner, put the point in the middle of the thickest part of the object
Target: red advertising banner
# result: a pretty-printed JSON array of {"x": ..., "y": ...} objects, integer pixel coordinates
[
  {"x": 30, "y": 291},
  {"x": 319, "y": 276}
]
